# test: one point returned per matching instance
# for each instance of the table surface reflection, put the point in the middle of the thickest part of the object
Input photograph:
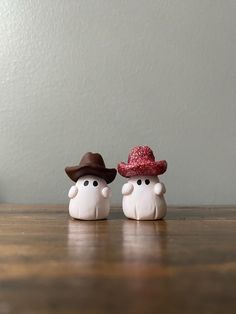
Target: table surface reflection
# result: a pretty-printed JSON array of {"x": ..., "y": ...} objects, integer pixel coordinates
[{"x": 50, "y": 263}]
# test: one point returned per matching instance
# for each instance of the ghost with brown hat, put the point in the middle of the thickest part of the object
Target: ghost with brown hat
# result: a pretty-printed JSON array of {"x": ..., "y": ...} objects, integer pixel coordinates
[{"x": 90, "y": 196}]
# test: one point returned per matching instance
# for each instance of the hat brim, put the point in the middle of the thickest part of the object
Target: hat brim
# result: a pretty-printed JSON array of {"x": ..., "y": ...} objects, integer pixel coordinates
[
  {"x": 154, "y": 168},
  {"x": 76, "y": 172}
]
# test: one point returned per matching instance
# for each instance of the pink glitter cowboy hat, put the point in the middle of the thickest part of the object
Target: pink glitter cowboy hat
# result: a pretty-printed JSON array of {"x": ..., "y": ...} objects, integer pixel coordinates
[{"x": 141, "y": 162}]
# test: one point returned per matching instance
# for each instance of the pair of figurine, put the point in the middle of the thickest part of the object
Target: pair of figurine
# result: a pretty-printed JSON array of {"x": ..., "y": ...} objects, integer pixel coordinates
[{"x": 143, "y": 194}]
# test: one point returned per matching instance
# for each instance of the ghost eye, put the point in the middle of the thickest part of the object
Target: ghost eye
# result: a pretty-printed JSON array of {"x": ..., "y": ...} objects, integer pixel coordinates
[
  {"x": 147, "y": 181},
  {"x": 86, "y": 183},
  {"x": 95, "y": 183},
  {"x": 139, "y": 182}
]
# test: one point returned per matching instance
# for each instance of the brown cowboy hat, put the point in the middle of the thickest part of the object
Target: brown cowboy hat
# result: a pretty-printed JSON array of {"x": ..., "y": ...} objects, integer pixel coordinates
[{"x": 91, "y": 164}]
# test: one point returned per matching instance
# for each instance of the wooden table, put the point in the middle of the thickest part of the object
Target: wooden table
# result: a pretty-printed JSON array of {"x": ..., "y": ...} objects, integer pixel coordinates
[{"x": 50, "y": 263}]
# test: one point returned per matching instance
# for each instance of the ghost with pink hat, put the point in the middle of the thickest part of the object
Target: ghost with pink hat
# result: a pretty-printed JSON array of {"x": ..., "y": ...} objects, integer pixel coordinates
[{"x": 143, "y": 194}]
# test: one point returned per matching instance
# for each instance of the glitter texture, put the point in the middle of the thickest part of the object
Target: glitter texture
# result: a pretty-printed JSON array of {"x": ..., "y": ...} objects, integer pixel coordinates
[{"x": 141, "y": 161}]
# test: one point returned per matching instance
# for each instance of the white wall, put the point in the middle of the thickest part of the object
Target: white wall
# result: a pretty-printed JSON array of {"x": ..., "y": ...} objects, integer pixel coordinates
[{"x": 79, "y": 76}]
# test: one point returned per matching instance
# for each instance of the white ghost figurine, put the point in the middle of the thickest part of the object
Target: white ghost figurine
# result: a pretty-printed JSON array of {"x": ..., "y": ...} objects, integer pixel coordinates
[
  {"x": 143, "y": 194},
  {"x": 90, "y": 196}
]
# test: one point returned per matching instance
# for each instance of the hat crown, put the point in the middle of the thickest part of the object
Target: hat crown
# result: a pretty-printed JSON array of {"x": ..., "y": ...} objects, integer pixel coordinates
[
  {"x": 92, "y": 159},
  {"x": 141, "y": 154}
]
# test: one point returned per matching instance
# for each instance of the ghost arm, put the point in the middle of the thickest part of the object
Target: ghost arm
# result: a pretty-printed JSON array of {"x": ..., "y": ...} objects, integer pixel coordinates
[
  {"x": 159, "y": 188},
  {"x": 127, "y": 188},
  {"x": 73, "y": 191},
  {"x": 106, "y": 192}
]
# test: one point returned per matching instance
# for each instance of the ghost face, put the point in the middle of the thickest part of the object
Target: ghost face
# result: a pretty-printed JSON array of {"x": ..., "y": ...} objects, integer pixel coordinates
[
  {"x": 143, "y": 198},
  {"x": 89, "y": 198}
]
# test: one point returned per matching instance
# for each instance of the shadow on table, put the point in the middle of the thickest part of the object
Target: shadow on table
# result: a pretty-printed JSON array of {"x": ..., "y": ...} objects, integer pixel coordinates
[
  {"x": 119, "y": 240},
  {"x": 144, "y": 240}
]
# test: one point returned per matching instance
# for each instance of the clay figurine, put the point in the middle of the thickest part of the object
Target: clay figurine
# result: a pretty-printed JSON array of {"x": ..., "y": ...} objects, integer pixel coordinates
[
  {"x": 143, "y": 194},
  {"x": 90, "y": 196}
]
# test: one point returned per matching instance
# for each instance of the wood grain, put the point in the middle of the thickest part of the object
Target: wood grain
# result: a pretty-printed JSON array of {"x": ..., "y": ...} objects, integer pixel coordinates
[{"x": 50, "y": 263}]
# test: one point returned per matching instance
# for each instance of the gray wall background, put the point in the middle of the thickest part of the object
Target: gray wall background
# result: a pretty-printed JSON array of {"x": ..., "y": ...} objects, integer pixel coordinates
[{"x": 79, "y": 76}]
